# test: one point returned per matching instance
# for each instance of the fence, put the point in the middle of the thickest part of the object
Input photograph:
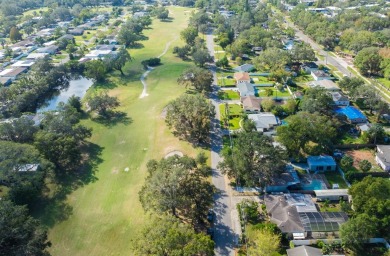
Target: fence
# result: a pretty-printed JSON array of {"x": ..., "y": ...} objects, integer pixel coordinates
[
  {"x": 355, "y": 146},
  {"x": 329, "y": 241}
]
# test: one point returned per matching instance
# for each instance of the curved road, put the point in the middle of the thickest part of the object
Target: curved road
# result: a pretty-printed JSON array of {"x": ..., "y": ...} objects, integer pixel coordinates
[{"x": 224, "y": 236}]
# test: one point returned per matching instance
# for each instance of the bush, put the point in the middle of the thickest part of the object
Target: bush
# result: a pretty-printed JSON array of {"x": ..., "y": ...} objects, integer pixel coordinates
[
  {"x": 365, "y": 165},
  {"x": 152, "y": 62}
]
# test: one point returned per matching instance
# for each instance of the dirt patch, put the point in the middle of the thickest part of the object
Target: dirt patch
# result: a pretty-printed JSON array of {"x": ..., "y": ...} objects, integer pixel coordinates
[
  {"x": 359, "y": 155},
  {"x": 114, "y": 171},
  {"x": 164, "y": 113},
  {"x": 174, "y": 153}
]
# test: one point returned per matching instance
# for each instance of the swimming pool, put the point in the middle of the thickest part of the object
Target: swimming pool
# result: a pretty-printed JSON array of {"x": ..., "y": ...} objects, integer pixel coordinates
[{"x": 314, "y": 185}]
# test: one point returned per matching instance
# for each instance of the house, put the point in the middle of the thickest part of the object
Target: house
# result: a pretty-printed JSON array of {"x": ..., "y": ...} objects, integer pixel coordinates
[
  {"x": 283, "y": 182},
  {"x": 321, "y": 163},
  {"x": 98, "y": 54},
  {"x": 12, "y": 73},
  {"x": 242, "y": 77},
  {"x": 304, "y": 251},
  {"x": 51, "y": 49},
  {"x": 5, "y": 81},
  {"x": 320, "y": 75},
  {"x": 138, "y": 15},
  {"x": 76, "y": 31},
  {"x": 35, "y": 56},
  {"x": 244, "y": 68},
  {"x": 339, "y": 99},
  {"x": 66, "y": 37},
  {"x": 297, "y": 216},
  {"x": 353, "y": 114},
  {"x": 331, "y": 194},
  {"x": 309, "y": 67},
  {"x": 104, "y": 47},
  {"x": 364, "y": 127},
  {"x": 328, "y": 85},
  {"x": 53, "y": 42},
  {"x": 246, "y": 89},
  {"x": 250, "y": 104},
  {"x": 264, "y": 121},
  {"x": 382, "y": 156},
  {"x": 23, "y": 63},
  {"x": 45, "y": 32}
]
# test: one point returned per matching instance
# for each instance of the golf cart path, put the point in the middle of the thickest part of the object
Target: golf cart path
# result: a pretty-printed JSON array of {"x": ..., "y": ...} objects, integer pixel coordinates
[{"x": 146, "y": 73}]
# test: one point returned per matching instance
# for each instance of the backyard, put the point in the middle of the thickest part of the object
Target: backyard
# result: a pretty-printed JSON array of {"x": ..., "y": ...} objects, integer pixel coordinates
[
  {"x": 228, "y": 95},
  {"x": 335, "y": 178},
  {"x": 235, "y": 112},
  {"x": 102, "y": 215},
  {"x": 262, "y": 92}
]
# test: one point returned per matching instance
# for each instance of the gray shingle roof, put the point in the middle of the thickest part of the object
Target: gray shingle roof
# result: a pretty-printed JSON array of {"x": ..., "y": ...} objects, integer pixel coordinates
[{"x": 304, "y": 251}]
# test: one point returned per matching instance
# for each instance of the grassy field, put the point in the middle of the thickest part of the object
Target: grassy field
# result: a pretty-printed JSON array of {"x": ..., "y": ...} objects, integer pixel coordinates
[
  {"x": 105, "y": 214},
  {"x": 31, "y": 12},
  {"x": 228, "y": 95},
  {"x": 276, "y": 92},
  {"x": 235, "y": 112}
]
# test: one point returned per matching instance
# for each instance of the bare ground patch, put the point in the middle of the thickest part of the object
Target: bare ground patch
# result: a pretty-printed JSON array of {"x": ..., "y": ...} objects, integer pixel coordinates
[{"x": 363, "y": 154}]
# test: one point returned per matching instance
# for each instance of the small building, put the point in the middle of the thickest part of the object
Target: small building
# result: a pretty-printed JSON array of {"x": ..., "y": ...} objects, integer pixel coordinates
[
  {"x": 364, "y": 127},
  {"x": 332, "y": 194},
  {"x": 105, "y": 47},
  {"x": 23, "y": 63},
  {"x": 328, "y": 85},
  {"x": 264, "y": 121},
  {"x": 36, "y": 56},
  {"x": 51, "y": 49},
  {"x": 12, "y": 73},
  {"x": 246, "y": 89},
  {"x": 353, "y": 114},
  {"x": 339, "y": 99},
  {"x": 309, "y": 67},
  {"x": 98, "y": 54},
  {"x": 76, "y": 31},
  {"x": 5, "y": 81},
  {"x": 244, "y": 68},
  {"x": 250, "y": 104},
  {"x": 304, "y": 250},
  {"x": 242, "y": 77},
  {"x": 319, "y": 75},
  {"x": 66, "y": 37},
  {"x": 382, "y": 156},
  {"x": 321, "y": 163}
]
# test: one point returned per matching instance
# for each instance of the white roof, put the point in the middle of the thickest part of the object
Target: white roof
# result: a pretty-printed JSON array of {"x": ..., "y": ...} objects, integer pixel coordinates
[
  {"x": 331, "y": 192},
  {"x": 49, "y": 43},
  {"x": 37, "y": 55},
  {"x": 264, "y": 120},
  {"x": 23, "y": 63}
]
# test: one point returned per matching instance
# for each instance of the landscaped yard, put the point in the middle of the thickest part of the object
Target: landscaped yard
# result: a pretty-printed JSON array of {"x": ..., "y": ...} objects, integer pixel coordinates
[
  {"x": 303, "y": 78},
  {"x": 103, "y": 215},
  {"x": 261, "y": 80},
  {"x": 276, "y": 93},
  {"x": 228, "y": 95},
  {"x": 223, "y": 81},
  {"x": 235, "y": 112},
  {"x": 335, "y": 178}
]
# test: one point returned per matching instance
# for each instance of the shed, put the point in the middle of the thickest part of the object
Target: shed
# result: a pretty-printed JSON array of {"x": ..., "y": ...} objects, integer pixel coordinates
[
  {"x": 321, "y": 163},
  {"x": 332, "y": 194}
]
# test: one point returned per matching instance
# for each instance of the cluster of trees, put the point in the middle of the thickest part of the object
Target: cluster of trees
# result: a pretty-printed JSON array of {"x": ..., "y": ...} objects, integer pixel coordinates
[
  {"x": 131, "y": 31},
  {"x": 176, "y": 189},
  {"x": 373, "y": 61},
  {"x": 371, "y": 201},
  {"x": 253, "y": 160},
  {"x": 200, "y": 79}
]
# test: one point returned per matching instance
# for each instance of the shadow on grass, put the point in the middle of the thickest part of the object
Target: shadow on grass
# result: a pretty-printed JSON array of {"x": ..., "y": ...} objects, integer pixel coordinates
[
  {"x": 53, "y": 209},
  {"x": 137, "y": 46},
  {"x": 113, "y": 118}
]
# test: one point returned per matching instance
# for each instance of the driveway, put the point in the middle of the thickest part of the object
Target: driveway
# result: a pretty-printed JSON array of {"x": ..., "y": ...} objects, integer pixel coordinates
[{"x": 224, "y": 236}]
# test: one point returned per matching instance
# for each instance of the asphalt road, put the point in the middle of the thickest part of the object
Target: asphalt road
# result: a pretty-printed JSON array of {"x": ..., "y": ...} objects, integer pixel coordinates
[{"x": 224, "y": 235}]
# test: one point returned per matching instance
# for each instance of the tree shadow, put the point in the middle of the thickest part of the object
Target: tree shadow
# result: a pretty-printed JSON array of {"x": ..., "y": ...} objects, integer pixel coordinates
[
  {"x": 137, "y": 46},
  {"x": 143, "y": 37},
  {"x": 53, "y": 209},
  {"x": 113, "y": 118},
  {"x": 169, "y": 19},
  {"x": 107, "y": 84}
]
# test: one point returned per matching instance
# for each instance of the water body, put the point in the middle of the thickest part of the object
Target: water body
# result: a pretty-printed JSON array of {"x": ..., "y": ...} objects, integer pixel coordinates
[{"x": 77, "y": 87}]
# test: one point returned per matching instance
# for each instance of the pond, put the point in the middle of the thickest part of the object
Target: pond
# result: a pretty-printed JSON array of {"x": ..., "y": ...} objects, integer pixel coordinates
[{"x": 77, "y": 87}]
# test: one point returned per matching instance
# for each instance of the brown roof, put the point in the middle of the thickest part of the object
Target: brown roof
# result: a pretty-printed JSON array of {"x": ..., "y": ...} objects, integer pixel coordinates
[
  {"x": 242, "y": 76},
  {"x": 250, "y": 102}
]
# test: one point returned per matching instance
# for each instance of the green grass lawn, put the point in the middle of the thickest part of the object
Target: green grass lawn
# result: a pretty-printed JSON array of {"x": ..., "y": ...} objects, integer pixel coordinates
[
  {"x": 349, "y": 139},
  {"x": 384, "y": 81},
  {"x": 303, "y": 79},
  {"x": 261, "y": 79},
  {"x": 262, "y": 92},
  {"x": 335, "y": 178},
  {"x": 31, "y": 12},
  {"x": 228, "y": 95},
  {"x": 106, "y": 214},
  {"x": 235, "y": 112},
  {"x": 223, "y": 81}
]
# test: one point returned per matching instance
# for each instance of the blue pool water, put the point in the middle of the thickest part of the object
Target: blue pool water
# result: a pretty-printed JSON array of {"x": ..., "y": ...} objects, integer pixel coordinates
[{"x": 314, "y": 185}]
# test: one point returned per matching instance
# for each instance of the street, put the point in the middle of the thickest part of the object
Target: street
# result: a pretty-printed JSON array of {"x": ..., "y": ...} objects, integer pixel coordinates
[{"x": 224, "y": 236}]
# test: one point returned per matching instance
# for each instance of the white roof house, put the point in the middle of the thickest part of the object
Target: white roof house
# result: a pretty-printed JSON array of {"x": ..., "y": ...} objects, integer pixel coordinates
[
  {"x": 328, "y": 85},
  {"x": 246, "y": 89},
  {"x": 382, "y": 156},
  {"x": 35, "y": 56},
  {"x": 98, "y": 54},
  {"x": 264, "y": 121},
  {"x": 23, "y": 63},
  {"x": 339, "y": 99}
]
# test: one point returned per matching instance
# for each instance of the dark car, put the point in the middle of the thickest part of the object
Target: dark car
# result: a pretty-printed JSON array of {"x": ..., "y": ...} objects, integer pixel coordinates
[{"x": 210, "y": 215}]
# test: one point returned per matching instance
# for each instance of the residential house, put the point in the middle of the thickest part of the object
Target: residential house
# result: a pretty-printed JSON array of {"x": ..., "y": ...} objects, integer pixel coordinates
[
  {"x": 309, "y": 67},
  {"x": 53, "y": 42},
  {"x": 51, "y": 49},
  {"x": 328, "y": 85},
  {"x": 283, "y": 182},
  {"x": 353, "y": 114},
  {"x": 76, "y": 31},
  {"x": 297, "y": 216},
  {"x": 339, "y": 99},
  {"x": 320, "y": 75},
  {"x": 99, "y": 54},
  {"x": 382, "y": 156},
  {"x": 246, "y": 89},
  {"x": 331, "y": 194},
  {"x": 250, "y": 104},
  {"x": 321, "y": 163},
  {"x": 36, "y": 56},
  {"x": 13, "y": 73},
  {"x": 47, "y": 32},
  {"x": 104, "y": 47},
  {"x": 244, "y": 68},
  {"x": 66, "y": 37},
  {"x": 264, "y": 121},
  {"x": 138, "y": 15},
  {"x": 23, "y": 63},
  {"x": 5, "y": 81},
  {"x": 242, "y": 77},
  {"x": 304, "y": 250}
]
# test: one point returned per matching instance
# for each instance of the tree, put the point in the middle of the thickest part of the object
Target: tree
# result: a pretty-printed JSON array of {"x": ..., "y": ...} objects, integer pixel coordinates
[
  {"x": 167, "y": 236},
  {"x": 365, "y": 165},
  {"x": 368, "y": 61},
  {"x": 272, "y": 59},
  {"x": 265, "y": 243},
  {"x": 18, "y": 130},
  {"x": 20, "y": 233},
  {"x": 370, "y": 97},
  {"x": 223, "y": 62},
  {"x": 119, "y": 60},
  {"x": 127, "y": 36},
  {"x": 269, "y": 92},
  {"x": 177, "y": 185},
  {"x": 189, "y": 34},
  {"x": 95, "y": 70},
  {"x": 346, "y": 162},
  {"x": 309, "y": 133},
  {"x": 317, "y": 99},
  {"x": 75, "y": 102},
  {"x": 200, "y": 79},
  {"x": 267, "y": 104},
  {"x": 201, "y": 57},
  {"x": 29, "y": 30},
  {"x": 182, "y": 52},
  {"x": 351, "y": 84},
  {"x": 290, "y": 107},
  {"x": 102, "y": 103},
  {"x": 189, "y": 116},
  {"x": 15, "y": 35},
  {"x": 376, "y": 133},
  {"x": 161, "y": 13},
  {"x": 253, "y": 159},
  {"x": 302, "y": 52}
]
